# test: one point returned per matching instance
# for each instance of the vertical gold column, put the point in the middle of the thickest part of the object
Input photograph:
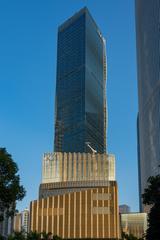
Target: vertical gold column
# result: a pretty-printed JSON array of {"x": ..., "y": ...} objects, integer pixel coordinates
[
  {"x": 58, "y": 215},
  {"x": 74, "y": 214},
  {"x": 47, "y": 214},
  {"x": 69, "y": 214},
  {"x": 67, "y": 169},
  {"x": 99, "y": 166},
  {"x": 114, "y": 212},
  {"x": 53, "y": 215},
  {"x": 65, "y": 166},
  {"x": 109, "y": 214},
  {"x": 116, "y": 223},
  {"x": 79, "y": 166},
  {"x": 94, "y": 166},
  {"x": 42, "y": 215},
  {"x": 63, "y": 215},
  {"x": 89, "y": 166},
  {"x": 36, "y": 217},
  {"x": 54, "y": 166},
  {"x": 97, "y": 218},
  {"x": 62, "y": 167},
  {"x": 70, "y": 167},
  {"x": 106, "y": 171},
  {"x": 80, "y": 210},
  {"x": 103, "y": 214},
  {"x": 117, "y": 212},
  {"x": 84, "y": 166},
  {"x": 83, "y": 223},
  {"x": 60, "y": 173},
  {"x": 86, "y": 220},
  {"x": 74, "y": 166},
  {"x": 50, "y": 214},
  {"x": 91, "y": 213}
]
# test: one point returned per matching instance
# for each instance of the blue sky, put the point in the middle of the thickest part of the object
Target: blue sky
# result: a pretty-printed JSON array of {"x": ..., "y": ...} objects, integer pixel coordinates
[{"x": 28, "y": 39}]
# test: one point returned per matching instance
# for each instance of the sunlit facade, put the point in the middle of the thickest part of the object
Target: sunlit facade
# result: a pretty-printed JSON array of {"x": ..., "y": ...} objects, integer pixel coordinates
[
  {"x": 87, "y": 213},
  {"x": 134, "y": 223},
  {"x": 81, "y": 86},
  {"x": 62, "y": 167},
  {"x": 69, "y": 172},
  {"x": 148, "y": 64}
]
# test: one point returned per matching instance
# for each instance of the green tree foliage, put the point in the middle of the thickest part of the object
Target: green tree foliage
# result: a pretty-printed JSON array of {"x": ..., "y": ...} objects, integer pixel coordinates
[
  {"x": 46, "y": 236},
  {"x": 151, "y": 197},
  {"x": 33, "y": 236},
  {"x": 10, "y": 188},
  {"x": 17, "y": 236},
  {"x": 1, "y": 237},
  {"x": 55, "y": 237}
]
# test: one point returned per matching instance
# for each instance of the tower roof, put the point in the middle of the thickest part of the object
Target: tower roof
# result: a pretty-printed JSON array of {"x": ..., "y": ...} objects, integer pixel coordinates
[{"x": 82, "y": 11}]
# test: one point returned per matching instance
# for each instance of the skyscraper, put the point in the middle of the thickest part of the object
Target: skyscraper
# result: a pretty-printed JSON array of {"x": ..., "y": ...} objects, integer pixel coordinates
[
  {"x": 78, "y": 196},
  {"x": 148, "y": 58},
  {"x": 81, "y": 86}
]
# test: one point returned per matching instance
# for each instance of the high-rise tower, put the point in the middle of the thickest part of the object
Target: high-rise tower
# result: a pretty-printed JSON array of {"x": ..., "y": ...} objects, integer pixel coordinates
[
  {"x": 148, "y": 58},
  {"x": 78, "y": 196},
  {"x": 81, "y": 86}
]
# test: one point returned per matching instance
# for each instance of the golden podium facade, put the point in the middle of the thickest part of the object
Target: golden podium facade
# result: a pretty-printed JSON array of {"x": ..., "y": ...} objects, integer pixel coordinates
[
  {"x": 78, "y": 197},
  {"x": 90, "y": 213}
]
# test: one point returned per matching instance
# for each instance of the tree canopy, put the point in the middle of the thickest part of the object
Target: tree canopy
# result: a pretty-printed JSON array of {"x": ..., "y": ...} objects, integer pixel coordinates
[
  {"x": 151, "y": 197},
  {"x": 10, "y": 188}
]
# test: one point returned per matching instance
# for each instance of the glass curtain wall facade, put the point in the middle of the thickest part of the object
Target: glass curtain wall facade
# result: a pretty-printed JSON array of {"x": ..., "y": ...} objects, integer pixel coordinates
[
  {"x": 81, "y": 86},
  {"x": 148, "y": 58}
]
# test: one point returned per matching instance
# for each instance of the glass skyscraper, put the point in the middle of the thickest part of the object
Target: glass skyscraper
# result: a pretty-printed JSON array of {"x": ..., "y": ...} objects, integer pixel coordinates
[
  {"x": 148, "y": 58},
  {"x": 81, "y": 86},
  {"x": 78, "y": 196}
]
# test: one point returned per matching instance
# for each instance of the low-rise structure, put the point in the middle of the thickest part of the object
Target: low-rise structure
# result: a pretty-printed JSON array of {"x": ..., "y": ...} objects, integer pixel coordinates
[
  {"x": 124, "y": 208},
  {"x": 134, "y": 223},
  {"x": 78, "y": 196},
  {"x": 21, "y": 221},
  {"x": 82, "y": 213}
]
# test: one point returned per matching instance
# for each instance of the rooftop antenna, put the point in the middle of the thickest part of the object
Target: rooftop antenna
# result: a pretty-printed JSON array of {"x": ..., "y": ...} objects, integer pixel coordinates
[{"x": 92, "y": 149}]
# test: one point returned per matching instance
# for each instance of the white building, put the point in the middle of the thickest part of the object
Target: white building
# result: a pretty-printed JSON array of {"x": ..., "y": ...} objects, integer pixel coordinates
[
  {"x": 134, "y": 223},
  {"x": 21, "y": 221}
]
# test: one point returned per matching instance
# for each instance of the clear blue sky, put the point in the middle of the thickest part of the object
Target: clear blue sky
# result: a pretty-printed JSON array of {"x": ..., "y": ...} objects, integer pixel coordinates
[{"x": 28, "y": 41}]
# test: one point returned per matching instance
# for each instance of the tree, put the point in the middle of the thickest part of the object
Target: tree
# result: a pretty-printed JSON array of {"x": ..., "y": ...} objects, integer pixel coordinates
[
  {"x": 17, "y": 236},
  {"x": 1, "y": 237},
  {"x": 151, "y": 197},
  {"x": 10, "y": 188},
  {"x": 33, "y": 236},
  {"x": 55, "y": 237},
  {"x": 46, "y": 236}
]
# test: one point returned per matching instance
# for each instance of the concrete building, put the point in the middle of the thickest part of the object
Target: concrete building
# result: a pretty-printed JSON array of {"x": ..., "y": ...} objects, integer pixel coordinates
[
  {"x": 21, "y": 221},
  {"x": 17, "y": 223},
  {"x": 148, "y": 65},
  {"x": 134, "y": 223},
  {"x": 25, "y": 220},
  {"x": 124, "y": 208}
]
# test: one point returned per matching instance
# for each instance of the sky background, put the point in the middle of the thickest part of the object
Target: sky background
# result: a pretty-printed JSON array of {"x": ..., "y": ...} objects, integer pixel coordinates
[{"x": 28, "y": 42}]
